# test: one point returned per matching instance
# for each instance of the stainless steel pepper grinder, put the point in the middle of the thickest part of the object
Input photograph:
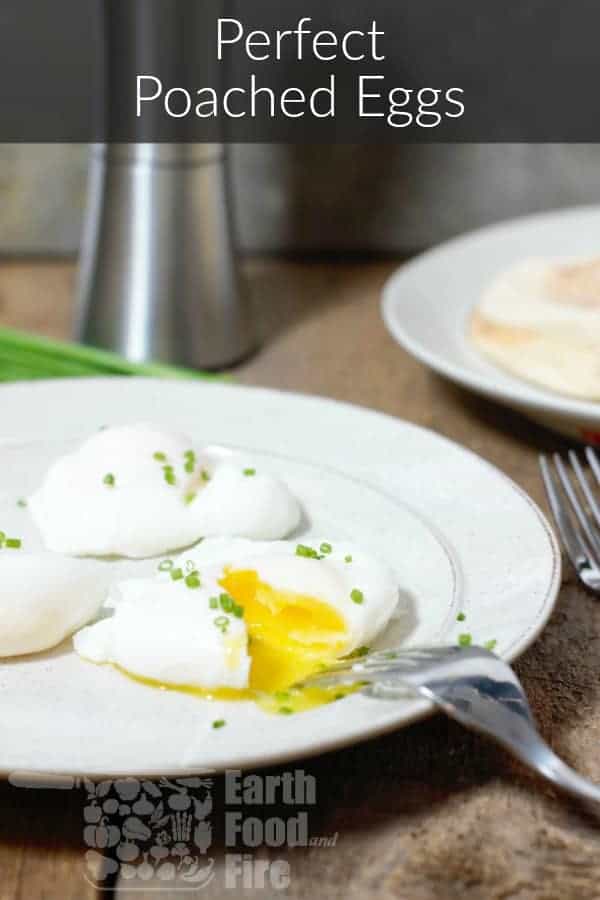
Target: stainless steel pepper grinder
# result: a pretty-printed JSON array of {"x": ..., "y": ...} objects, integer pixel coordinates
[{"x": 158, "y": 276}]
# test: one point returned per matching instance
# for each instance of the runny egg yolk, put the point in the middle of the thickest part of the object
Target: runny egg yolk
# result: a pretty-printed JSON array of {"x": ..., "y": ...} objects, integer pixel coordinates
[{"x": 290, "y": 635}]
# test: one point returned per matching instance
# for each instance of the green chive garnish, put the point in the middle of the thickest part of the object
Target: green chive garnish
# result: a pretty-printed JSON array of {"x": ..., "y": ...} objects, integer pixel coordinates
[
  {"x": 109, "y": 479},
  {"x": 192, "y": 580},
  {"x": 490, "y": 645},
  {"x": 21, "y": 502},
  {"x": 218, "y": 723},
  {"x": 308, "y": 552},
  {"x": 159, "y": 457},
  {"x": 2, "y": 538},
  {"x": 465, "y": 640},
  {"x": 213, "y": 602},
  {"x": 222, "y": 623},
  {"x": 166, "y": 565},
  {"x": 190, "y": 497},
  {"x": 461, "y": 617},
  {"x": 357, "y": 596},
  {"x": 169, "y": 475},
  {"x": 205, "y": 475},
  {"x": 348, "y": 558},
  {"x": 325, "y": 547},
  {"x": 226, "y": 602},
  {"x": 285, "y": 710},
  {"x": 13, "y": 543},
  {"x": 282, "y": 696},
  {"x": 190, "y": 461},
  {"x": 177, "y": 574},
  {"x": 249, "y": 472}
]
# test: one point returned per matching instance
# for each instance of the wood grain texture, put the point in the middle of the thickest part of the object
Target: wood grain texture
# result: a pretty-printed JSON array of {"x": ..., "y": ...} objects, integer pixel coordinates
[{"x": 431, "y": 812}]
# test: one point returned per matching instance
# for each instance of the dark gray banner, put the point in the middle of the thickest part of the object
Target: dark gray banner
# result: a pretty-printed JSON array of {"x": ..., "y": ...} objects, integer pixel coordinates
[{"x": 299, "y": 70}]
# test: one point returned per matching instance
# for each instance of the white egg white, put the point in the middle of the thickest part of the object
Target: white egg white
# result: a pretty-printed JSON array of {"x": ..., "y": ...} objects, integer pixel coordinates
[
  {"x": 164, "y": 632},
  {"x": 139, "y": 491},
  {"x": 45, "y": 597}
]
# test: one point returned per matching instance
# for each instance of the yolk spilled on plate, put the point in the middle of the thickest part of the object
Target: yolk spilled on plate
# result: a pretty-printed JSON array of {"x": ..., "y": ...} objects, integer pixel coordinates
[{"x": 290, "y": 636}]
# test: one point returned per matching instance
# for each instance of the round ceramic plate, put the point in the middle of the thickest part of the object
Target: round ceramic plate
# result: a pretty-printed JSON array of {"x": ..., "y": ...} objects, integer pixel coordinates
[
  {"x": 427, "y": 304},
  {"x": 460, "y": 536}
]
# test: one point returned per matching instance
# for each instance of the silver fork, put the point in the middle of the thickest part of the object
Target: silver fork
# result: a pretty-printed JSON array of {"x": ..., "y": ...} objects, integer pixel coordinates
[
  {"x": 471, "y": 685},
  {"x": 576, "y": 512}
]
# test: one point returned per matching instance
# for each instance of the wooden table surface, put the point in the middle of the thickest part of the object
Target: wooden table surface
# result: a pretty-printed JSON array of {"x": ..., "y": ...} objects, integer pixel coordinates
[{"x": 431, "y": 811}]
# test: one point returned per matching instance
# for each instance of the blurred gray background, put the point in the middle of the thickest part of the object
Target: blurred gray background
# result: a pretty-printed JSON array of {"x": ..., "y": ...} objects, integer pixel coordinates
[{"x": 321, "y": 199}]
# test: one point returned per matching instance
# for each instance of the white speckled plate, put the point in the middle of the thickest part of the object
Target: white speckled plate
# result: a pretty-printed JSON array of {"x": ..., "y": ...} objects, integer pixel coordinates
[
  {"x": 427, "y": 304},
  {"x": 460, "y": 535}
]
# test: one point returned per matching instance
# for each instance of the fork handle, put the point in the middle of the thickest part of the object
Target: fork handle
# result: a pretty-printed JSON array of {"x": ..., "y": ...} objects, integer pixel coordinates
[{"x": 516, "y": 732}]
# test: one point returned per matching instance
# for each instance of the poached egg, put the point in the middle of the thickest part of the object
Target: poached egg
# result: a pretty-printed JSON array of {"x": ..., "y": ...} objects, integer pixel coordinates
[
  {"x": 44, "y": 598},
  {"x": 140, "y": 491},
  {"x": 235, "y": 619}
]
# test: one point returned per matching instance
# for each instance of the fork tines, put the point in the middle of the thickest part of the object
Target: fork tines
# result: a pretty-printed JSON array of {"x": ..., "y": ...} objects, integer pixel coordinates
[{"x": 576, "y": 510}]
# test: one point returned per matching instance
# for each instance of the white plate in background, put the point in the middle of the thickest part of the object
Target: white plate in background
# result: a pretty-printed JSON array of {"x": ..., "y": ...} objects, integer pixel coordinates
[
  {"x": 427, "y": 304},
  {"x": 459, "y": 534}
]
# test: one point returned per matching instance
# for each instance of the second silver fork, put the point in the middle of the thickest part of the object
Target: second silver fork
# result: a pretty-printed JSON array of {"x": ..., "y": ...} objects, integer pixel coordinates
[{"x": 576, "y": 511}]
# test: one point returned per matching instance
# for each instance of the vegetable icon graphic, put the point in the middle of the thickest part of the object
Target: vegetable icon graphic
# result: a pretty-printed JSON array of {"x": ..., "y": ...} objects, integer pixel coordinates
[{"x": 102, "y": 835}]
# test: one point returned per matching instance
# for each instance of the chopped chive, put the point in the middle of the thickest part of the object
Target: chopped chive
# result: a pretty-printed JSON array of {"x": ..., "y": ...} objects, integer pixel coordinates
[
  {"x": 238, "y": 611},
  {"x": 192, "y": 580},
  {"x": 13, "y": 543},
  {"x": 282, "y": 696},
  {"x": 357, "y": 596},
  {"x": 218, "y": 723},
  {"x": 227, "y": 603},
  {"x": 325, "y": 547},
  {"x": 190, "y": 461},
  {"x": 490, "y": 645},
  {"x": 169, "y": 475},
  {"x": 213, "y": 602},
  {"x": 2, "y": 538},
  {"x": 308, "y": 552},
  {"x": 465, "y": 640},
  {"x": 177, "y": 574},
  {"x": 190, "y": 497},
  {"x": 249, "y": 472},
  {"x": 222, "y": 623},
  {"x": 166, "y": 565},
  {"x": 461, "y": 617},
  {"x": 285, "y": 710},
  {"x": 338, "y": 697},
  {"x": 109, "y": 479},
  {"x": 159, "y": 457},
  {"x": 205, "y": 475},
  {"x": 189, "y": 565},
  {"x": 348, "y": 558},
  {"x": 21, "y": 502}
]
